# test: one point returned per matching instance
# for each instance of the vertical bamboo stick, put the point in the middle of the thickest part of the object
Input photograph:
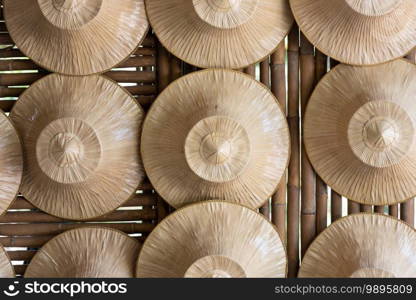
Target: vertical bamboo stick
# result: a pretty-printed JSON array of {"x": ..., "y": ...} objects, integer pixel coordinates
[
  {"x": 265, "y": 79},
  {"x": 294, "y": 164},
  {"x": 278, "y": 86},
  {"x": 336, "y": 206},
  {"x": 394, "y": 210},
  {"x": 353, "y": 207},
  {"x": 265, "y": 72},
  {"x": 379, "y": 209},
  {"x": 308, "y": 178},
  {"x": 321, "y": 187},
  {"x": 163, "y": 68},
  {"x": 407, "y": 212},
  {"x": 366, "y": 208}
]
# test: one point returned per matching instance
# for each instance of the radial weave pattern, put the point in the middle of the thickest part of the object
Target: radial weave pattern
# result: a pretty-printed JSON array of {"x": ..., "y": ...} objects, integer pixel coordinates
[
  {"x": 360, "y": 132},
  {"x": 211, "y": 240},
  {"x": 89, "y": 252},
  {"x": 81, "y": 143},
  {"x": 358, "y": 32},
  {"x": 215, "y": 134},
  {"x": 11, "y": 163},
  {"x": 363, "y": 246},
  {"x": 220, "y": 33},
  {"x": 76, "y": 37},
  {"x": 6, "y": 268}
]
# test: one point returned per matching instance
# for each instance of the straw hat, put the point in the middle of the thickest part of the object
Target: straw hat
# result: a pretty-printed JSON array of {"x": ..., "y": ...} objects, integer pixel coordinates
[
  {"x": 220, "y": 135},
  {"x": 213, "y": 240},
  {"x": 359, "y": 132},
  {"x": 6, "y": 268},
  {"x": 220, "y": 33},
  {"x": 76, "y": 37},
  {"x": 361, "y": 246},
  {"x": 81, "y": 143},
  {"x": 89, "y": 252},
  {"x": 358, "y": 32},
  {"x": 11, "y": 162}
]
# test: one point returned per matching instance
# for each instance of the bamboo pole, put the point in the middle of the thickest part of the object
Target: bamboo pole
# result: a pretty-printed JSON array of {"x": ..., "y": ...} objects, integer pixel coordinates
[
  {"x": 407, "y": 212},
  {"x": 132, "y": 76},
  {"x": 25, "y": 241},
  {"x": 21, "y": 255},
  {"x": 294, "y": 164},
  {"x": 353, "y": 207},
  {"x": 308, "y": 178},
  {"x": 265, "y": 79},
  {"x": 379, "y": 209},
  {"x": 20, "y": 269},
  {"x": 366, "y": 208},
  {"x": 321, "y": 187},
  {"x": 163, "y": 68},
  {"x": 394, "y": 210},
  {"x": 336, "y": 206},
  {"x": 278, "y": 87}
]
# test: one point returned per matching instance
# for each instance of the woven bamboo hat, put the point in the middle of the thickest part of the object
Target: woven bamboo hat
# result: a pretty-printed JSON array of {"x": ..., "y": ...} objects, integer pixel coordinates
[
  {"x": 359, "y": 132},
  {"x": 11, "y": 162},
  {"x": 362, "y": 245},
  {"x": 358, "y": 32},
  {"x": 220, "y": 33},
  {"x": 6, "y": 268},
  {"x": 76, "y": 37},
  {"x": 220, "y": 135},
  {"x": 81, "y": 138},
  {"x": 89, "y": 252},
  {"x": 213, "y": 239}
]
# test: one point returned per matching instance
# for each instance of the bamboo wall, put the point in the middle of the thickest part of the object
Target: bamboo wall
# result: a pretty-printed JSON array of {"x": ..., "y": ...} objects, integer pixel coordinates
[{"x": 303, "y": 205}]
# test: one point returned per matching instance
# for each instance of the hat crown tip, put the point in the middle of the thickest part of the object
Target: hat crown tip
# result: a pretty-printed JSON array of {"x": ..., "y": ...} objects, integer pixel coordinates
[
  {"x": 380, "y": 133},
  {"x": 70, "y": 14},
  {"x": 215, "y": 266},
  {"x": 373, "y": 8},
  {"x": 225, "y": 14}
]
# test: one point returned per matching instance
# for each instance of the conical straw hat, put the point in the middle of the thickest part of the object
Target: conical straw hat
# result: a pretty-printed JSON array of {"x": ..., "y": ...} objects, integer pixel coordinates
[
  {"x": 362, "y": 246},
  {"x": 89, "y": 252},
  {"x": 213, "y": 240},
  {"x": 215, "y": 134},
  {"x": 76, "y": 37},
  {"x": 358, "y": 32},
  {"x": 359, "y": 132},
  {"x": 6, "y": 268},
  {"x": 11, "y": 162},
  {"x": 220, "y": 33},
  {"x": 81, "y": 139}
]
